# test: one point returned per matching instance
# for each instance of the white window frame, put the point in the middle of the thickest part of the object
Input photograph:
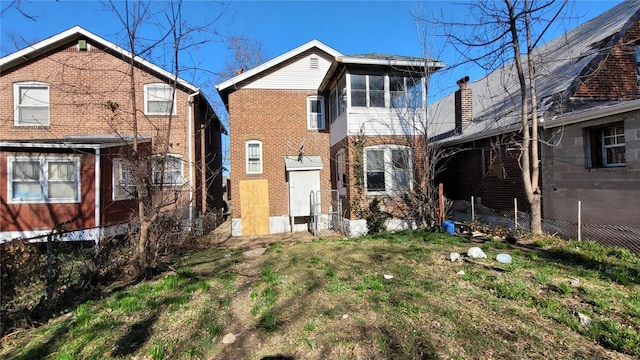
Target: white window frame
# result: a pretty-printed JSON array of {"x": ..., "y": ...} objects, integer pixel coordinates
[
  {"x": 315, "y": 121},
  {"x": 44, "y": 180},
  {"x": 119, "y": 191},
  {"x": 155, "y": 170},
  {"x": 390, "y": 183},
  {"x": 17, "y": 121},
  {"x": 146, "y": 98},
  {"x": 260, "y": 160},
  {"x": 615, "y": 137}
]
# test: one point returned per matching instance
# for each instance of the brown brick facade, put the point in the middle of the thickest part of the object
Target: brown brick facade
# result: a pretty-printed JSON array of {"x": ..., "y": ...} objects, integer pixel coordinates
[
  {"x": 277, "y": 118},
  {"x": 613, "y": 78}
]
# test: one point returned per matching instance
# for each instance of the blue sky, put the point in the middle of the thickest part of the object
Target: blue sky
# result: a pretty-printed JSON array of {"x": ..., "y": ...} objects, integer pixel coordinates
[{"x": 352, "y": 27}]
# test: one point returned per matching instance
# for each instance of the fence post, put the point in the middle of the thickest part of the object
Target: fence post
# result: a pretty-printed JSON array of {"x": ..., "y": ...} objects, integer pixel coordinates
[
  {"x": 515, "y": 213},
  {"x": 579, "y": 220},
  {"x": 441, "y": 202},
  {"x": 473, "y": 210}
]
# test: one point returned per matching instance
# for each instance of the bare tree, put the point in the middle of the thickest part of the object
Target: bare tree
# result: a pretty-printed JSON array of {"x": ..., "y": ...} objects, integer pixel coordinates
[
  {"x": 504, "y": 35},
  {"x": 172, "y": 36}
]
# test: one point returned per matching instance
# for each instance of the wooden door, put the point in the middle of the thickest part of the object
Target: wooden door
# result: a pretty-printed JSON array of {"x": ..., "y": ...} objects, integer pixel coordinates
[{"x": 254, "y": 206}]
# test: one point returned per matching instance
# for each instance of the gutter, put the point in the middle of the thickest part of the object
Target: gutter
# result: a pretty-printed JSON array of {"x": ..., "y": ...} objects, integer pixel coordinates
[
  {"x": 98, "y": 197},
  {"x": 594, "y": 113}
]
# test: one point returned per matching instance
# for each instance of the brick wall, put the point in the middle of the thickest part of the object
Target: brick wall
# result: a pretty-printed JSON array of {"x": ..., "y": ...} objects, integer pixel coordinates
[
  {"x": 278, "y": 118},
  {"x": 616, "y": 75}
]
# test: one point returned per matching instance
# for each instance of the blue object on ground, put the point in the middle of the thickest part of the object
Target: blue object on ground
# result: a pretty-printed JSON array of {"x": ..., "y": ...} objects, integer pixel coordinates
[{"x": 449, "y": 227}]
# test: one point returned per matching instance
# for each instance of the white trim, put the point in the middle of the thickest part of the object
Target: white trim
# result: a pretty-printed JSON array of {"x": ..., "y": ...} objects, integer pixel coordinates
[
  {"x": 16, "y": 102},
  {"x": 322, "y": 113},
  {"x": 42, "y": 46},
  {"x": 271, "y": 63},
  {"x": 389, "y": 183},
  {"x": 390, "y": 62},
  {"x": 115, "y": 177},
  {"x": 246, "y": 155},
  {"x": 97, "y": 192},
  {"x": 43, "y": 162},
  {"x": 146, "y": 98}
]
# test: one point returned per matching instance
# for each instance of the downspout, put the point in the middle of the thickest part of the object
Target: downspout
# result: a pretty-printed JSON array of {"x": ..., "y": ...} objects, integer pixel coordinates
[
  {"x": 98, "y": 197},
  {"x": 191, "y": 164}
]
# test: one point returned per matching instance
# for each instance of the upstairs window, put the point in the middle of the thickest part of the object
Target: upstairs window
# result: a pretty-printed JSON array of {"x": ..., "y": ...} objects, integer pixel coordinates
[
  {"x": 315, "y": 113},
  {"x": 605, "y": 146},
  {"x": 31, "y": 104},
  {"x": 254, "y": 157},
  {"x": 44, "y": 180},
  {"x": 159, "y": 99},
  {"x": 124, "y": 185},
  {"x": 173, "y": 173},
  {"x": 368, "y": 90},
  {"x": 405, "y": 92},
  {"x": 388, "y": 168}
]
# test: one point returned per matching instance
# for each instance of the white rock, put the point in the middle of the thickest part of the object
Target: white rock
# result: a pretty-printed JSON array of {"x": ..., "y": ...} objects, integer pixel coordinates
[
  {"x": 504, "y": 258},
  {"x": 454, "y": 256},
  {"x": 229, "y": 339},
  {"x": 476, "y": 253},
  {"x": 584, "y": 319},
  {"x": 388, "y": 277},
  {"x": 575, "y": 282},
  {"x": 345, "y": 316},
  {"x": 461, "y": 272}
]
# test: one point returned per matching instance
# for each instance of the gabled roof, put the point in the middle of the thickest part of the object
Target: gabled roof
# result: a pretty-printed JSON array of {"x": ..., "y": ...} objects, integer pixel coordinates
[
  {"x": 76, "y": 33},
  {"x": 227, "y": 86},
  {"x": 567, "y": 60}
]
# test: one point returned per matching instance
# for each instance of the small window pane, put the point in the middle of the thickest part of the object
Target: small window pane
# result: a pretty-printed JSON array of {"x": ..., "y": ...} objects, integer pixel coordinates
[
  {"x": 27, "y": 190},
  {"x": 376, "y": 91},
  {"x": 375, "y": 160},
  {"x": 375, "y": 181},
  {"x": 26, "y": 170},
  {"x": 62, "y": 190},
  {"x": 358, "y": 90}
]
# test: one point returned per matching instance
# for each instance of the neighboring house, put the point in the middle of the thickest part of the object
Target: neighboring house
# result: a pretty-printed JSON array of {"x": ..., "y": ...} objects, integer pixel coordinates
[
  {"x": 65, "y": 184},
  {"x": 75, "y": 86},
  {"x": 589, "y": 108},
  {"x": 294, "y": 123}
]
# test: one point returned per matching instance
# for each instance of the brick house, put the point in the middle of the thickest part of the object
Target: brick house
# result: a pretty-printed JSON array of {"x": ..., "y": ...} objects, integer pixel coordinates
[
  {"x": 590, "y": 114},
  {"x": 68, "y": 97},
  {"x": 294, "y": 124}
]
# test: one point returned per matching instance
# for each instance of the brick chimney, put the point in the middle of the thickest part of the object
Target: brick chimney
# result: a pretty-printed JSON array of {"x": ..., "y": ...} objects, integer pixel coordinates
[{"x": 463, "y": 105}]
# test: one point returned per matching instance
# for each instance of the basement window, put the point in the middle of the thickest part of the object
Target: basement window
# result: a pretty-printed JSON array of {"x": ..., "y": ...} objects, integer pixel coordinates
[{"x": 605, "y": 146}]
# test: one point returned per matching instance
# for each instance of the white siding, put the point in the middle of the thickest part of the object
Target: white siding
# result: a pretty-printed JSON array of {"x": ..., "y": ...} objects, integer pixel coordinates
[
  {"x": 383, "y": 121},
  {"x": 295, "y": 74},
  {"x": 338, "y": 129}
]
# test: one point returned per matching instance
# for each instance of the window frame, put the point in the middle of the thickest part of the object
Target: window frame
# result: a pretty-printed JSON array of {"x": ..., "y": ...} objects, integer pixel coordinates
[
  {"x": 596, "y": 149},
  {"x": 342, "y": 178},
  {"x": 321, "y": 115},
  {"x": 44, "y": 180},
  {"x": 260, "y": 157},
  {"x": 390, "y": 183},
  {"x": 118, "y": 167},
  {"x": 155, "y": 170},
  {"x": 173, "y": 91},
  {"x": 494, "y": 156},
  {"x": 17, "y": 121}
]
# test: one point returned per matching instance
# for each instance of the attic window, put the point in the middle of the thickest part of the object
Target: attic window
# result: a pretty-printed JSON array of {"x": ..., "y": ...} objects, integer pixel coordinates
[
  {"x": 82, "y": 45},
  {"x": 313, "y": 64}
]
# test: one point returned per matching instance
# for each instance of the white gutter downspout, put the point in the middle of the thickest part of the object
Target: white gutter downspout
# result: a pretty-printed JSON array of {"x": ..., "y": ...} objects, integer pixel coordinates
[
  {"x": 191, "y": 165},
  {"x": 98, "y": 195}
]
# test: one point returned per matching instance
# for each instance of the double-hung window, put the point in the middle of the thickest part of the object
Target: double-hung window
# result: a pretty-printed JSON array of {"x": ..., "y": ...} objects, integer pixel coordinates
[
  {"x": 605, "y": 146},
  {"x": 173, "y": 173},
  {"x": 124, "y": 186},
  {"x": 315, "y": 113},
  {"x": 44, "y": 179},
  {"x": 159, "y": 99},
  {"x": 31, "y": 104},
  {"x": 388, "y": 168},
  {"x": 253, "y": 150},
  {"x": 405, "y": 92}
]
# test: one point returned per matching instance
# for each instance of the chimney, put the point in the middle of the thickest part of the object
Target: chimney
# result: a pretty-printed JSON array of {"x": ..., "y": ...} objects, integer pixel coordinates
[{"x": 463, "y": 105}]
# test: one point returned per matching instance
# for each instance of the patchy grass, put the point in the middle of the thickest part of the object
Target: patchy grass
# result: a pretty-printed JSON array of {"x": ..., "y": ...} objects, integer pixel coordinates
[{"x": 384, "y": 296}]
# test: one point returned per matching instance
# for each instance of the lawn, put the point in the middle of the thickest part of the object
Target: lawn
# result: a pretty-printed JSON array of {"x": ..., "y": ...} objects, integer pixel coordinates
[{"x": 394, "y": 296}]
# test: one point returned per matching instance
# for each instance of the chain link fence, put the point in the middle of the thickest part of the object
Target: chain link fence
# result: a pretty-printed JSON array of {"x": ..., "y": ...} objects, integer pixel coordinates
[{"x": 609, "y": 235}]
